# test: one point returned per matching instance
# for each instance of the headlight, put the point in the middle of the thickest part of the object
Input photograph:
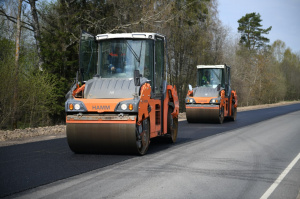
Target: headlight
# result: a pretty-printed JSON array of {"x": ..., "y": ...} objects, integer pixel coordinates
[
  {"x": 190, "y": 100},
  {"x": 74, "y": 106},
  {"x": 71, "y": 106},
  {"x": 216, "y": 100},
  {"x": 123, "y": 106},
  {"x": 130, "y": 107},
  {"x": 77, "y": 106}
]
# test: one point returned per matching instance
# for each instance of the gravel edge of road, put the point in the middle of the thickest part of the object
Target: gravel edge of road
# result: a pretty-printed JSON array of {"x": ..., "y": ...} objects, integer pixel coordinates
[{"x": 22, "y": 136}]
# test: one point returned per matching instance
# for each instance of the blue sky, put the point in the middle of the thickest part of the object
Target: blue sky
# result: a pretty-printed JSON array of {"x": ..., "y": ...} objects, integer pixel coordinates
[{"x": 282, "y": 15}]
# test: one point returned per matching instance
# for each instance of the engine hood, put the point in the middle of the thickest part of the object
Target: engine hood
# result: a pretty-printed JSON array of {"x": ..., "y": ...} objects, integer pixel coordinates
[
  {"x": 206, "y": 92},
  {"x": 100, "y": 88}
]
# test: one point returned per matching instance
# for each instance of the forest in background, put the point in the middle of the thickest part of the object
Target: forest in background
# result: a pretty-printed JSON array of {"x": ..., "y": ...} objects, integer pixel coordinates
[{"x": 33, "y": 86}]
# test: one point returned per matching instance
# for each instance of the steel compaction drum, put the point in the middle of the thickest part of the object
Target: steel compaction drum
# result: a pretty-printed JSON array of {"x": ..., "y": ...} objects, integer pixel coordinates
[
  {"x": 102, "y": 137},
  {"x": 202, "y": 114}
]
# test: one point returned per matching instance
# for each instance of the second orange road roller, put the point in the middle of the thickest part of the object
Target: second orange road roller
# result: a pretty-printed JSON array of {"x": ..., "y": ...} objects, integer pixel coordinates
[
  {"x": 120, "y": 99},
  {"x": 212, "y": 99}
]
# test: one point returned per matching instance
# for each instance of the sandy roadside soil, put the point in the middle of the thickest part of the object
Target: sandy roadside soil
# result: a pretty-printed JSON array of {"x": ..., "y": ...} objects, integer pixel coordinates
[{"x": 21, "y": 136}]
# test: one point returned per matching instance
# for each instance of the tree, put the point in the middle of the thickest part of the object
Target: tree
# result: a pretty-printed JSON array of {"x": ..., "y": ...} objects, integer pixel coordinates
[
  {"x": 18, "y": 37},
  {"x": 290, "y": 67},
  {"x": 250, "y": 27},
  {"x": 27, "y": 95},
  {"x": 188, "y": 37},
  {"x": 36, "y": 30},
  {"x": 278, "y": 48}
]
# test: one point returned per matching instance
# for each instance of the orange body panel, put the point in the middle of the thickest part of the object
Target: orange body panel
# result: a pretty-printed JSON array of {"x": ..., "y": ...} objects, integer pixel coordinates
[
  {"x": 155, "y": 115},
  {"x": 190, "y": 93},
  {"x": 102, "y": 121},
  {"x": 101, "y": 105},
  {"x": 202, "y": 100},
  {"x": 175, "y": 99},
  {"x": 144, "y": 102},
  {"x": 156, "y": 109},
  {"x": 78, "y": 89},
  {"x": 234, "y": 96}
]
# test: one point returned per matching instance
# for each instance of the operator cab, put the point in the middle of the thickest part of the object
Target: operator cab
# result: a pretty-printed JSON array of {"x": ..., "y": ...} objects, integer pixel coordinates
[
  {"x": 213, "y": 76},
  {"x": 117, "y": 56}
]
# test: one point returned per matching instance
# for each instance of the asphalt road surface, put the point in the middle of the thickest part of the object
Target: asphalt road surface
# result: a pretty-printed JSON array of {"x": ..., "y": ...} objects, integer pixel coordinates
[{"x": 257, "y": 155}]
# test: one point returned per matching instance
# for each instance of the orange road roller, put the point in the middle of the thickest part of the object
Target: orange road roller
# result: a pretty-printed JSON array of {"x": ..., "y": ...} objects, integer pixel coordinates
[
  {"x": 120, "y": 99},
  {"x": 212, "y": 99}
]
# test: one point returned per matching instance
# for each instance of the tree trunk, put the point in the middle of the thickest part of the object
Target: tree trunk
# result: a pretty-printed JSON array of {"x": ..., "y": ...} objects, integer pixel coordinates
[
  {"x": 18, "y": 36},
  {"x": 36, "y": 31}
]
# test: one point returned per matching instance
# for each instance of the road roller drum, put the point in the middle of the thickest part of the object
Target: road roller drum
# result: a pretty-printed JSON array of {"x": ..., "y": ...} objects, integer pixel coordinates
[
  {"x": 202, "y": 114},
  {"x": 108, "y": 137}
]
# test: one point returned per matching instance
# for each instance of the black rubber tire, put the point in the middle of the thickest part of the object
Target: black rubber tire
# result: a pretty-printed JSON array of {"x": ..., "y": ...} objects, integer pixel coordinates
[
  {"x": 221, "y": 115},
  {"x": 234, "y": 113},
  {"x": 172, "y": 126},
  {"x": 145, "y": 138}
]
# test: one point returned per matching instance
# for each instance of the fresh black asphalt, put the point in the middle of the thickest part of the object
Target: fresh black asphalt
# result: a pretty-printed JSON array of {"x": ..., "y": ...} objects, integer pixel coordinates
[{"x": 31, "y": 165}]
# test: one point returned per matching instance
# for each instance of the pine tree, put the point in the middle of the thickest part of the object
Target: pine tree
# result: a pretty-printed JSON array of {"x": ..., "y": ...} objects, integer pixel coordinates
[{"x": 250, "y": 27}]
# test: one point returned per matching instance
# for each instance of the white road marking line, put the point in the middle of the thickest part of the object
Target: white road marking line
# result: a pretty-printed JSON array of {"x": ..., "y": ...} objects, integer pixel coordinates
[{"x": 280, "y": 178}]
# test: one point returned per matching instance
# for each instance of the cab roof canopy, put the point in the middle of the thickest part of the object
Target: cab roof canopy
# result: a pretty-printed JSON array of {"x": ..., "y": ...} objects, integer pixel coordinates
[
  {"x": 134, "y": 35},
  {"x": 211, "y": 66}
]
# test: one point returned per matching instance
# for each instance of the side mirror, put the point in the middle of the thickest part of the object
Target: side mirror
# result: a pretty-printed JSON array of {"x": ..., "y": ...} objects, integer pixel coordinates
[
  {"x": 137, "y": 76},
  {"x": 190, "y": 87}
]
